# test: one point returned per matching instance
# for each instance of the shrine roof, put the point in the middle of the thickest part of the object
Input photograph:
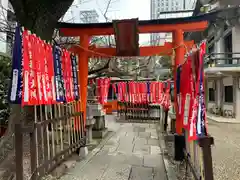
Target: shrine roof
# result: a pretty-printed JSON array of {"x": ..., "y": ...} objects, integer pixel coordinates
[{"x": 204, "y": 17}]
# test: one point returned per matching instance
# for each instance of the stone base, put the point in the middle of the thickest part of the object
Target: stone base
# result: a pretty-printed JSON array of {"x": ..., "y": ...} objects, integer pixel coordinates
[
  {"x": 83, "y": 152},
  {"x": 99, "y": 123},
  {"x": 99, "y": 133},
  {"x": 89, "y": 134}
]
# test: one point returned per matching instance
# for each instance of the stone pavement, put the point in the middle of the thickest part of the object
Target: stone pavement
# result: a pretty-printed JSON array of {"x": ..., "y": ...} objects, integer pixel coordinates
[{"x": 132, "y": 153}]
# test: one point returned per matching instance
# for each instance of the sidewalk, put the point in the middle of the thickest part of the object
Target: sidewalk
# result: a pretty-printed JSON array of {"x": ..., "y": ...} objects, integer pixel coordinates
[{"x": 132, "y": 153}]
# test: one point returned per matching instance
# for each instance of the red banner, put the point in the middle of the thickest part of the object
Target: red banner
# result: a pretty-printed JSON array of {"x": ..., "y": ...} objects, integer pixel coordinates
[
  {"x": 153, "y": 92},
  {"x": 67, "y": 76},
  {"x": 106, "y": 89},
  {"x": 51, "y": 91},
  {"x": 29, "y": 77},
  {"x": 167, "y": 99}
]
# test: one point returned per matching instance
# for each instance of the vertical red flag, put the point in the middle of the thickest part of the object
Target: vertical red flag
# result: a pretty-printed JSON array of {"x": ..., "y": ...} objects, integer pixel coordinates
[
  {"x": 138, "y": 100},
  {"x": 167, "y": 102},
  {"x": 124, "y": 92},
  {"x": 145, "y": 92},
  {"x": 98, "y": 89},
  {"x": 43, "y": 70},
  {"x": 51, "y": 89},
  {"x": 106, "y": 88},
  {"x": 152, "y": 92},
  {"x": 157, "y": 90},
  {"x": 130, "y": 90},
  {"x": 185, "y": 92},
  {"x": 29, "y": 79},
  {"x": 119, "y": 89},
  {"x": 101, "y": 90},
  {"x": 120, "y": 85}
]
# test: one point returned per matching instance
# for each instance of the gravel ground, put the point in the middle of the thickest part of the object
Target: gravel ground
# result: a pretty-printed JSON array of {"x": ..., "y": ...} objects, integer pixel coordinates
[{"x": 226, "y": 151}]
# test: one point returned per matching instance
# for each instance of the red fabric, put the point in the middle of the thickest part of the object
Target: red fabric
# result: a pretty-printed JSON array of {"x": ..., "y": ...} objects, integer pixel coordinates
[
  {"x": 160, "y": 92},
  {"x": 185, "y": 90},
  {"x": 166, "y": 102},
  {"x": 193, "y": 103},
  {"x": 29, "y": 79},
  {"x": 154, "y": 92},
  {"x": 42, "y": 71},
  {"x": 98, "y": 89},
  {"x": 51, "y": 89},
  {"x": 120, "y": 91},
  {"x": 138, "y": 100},
  {"x": 145, "y": 99},
  {"x": 130, "y": 84},
  {"x": 106, "y": 89},
  {"x": 134, "y": 92}
]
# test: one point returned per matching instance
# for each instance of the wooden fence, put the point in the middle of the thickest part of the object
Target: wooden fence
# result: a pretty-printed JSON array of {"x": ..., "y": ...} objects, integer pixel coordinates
[
  {"x": 57, "y": 133},
  {"x": 196, "y": 154}
]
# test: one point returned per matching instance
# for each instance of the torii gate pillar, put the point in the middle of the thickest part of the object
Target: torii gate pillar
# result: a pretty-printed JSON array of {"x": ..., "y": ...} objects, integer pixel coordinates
[
  {"x": 178, "y": 41},
  {"x": 83, "y": 72}
]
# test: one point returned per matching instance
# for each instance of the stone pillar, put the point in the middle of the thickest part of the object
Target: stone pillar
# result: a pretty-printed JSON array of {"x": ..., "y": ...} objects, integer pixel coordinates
[
  {"x": 219, "y": 47},
  {"x": 89, "y": 124},
  {"x": 236, "y": 43}
]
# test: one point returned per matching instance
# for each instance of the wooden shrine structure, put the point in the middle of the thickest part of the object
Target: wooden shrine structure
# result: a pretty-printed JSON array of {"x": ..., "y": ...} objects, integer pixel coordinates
[{"x": 176, "y": 26}]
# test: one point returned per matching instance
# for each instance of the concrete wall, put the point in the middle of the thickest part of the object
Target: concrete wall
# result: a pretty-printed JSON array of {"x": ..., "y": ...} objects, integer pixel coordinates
[{"x": 220, "y": 96}]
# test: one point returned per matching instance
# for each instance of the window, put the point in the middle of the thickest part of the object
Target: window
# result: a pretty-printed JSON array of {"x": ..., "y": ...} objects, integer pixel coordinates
[
  {"x": 211, "y": 94},
  {"x": 228, "y": 94}
]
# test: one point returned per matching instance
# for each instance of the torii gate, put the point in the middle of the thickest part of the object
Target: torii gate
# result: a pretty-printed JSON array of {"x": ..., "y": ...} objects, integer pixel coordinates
[{"x": 177, "y": 26}]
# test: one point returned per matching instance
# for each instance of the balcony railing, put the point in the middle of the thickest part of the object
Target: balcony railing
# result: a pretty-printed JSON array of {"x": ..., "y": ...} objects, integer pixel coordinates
[{"x": 222, "y": 60}]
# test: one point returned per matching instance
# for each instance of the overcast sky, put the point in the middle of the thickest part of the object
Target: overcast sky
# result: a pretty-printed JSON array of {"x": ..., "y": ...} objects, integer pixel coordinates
[{"x": 119, "y": 9}]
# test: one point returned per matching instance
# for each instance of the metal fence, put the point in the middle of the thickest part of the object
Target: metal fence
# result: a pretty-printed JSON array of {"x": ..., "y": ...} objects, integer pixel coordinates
[
  {"x": 138, "y": 112},
  {"x": 222, "y": 60},
  {"x": 57, "y": 133}
]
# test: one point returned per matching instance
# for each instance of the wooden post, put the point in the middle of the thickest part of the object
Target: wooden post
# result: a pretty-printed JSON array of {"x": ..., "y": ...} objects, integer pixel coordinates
[
  {"x": 178, "y": 41},
  {"x": 19, "y": 152},
  {"x": 205, "y": 143},
  {"x": 83, "y": 73}
]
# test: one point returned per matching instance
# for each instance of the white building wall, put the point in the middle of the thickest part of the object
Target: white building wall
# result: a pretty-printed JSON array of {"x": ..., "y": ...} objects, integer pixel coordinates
[{"x": 238, "y": 98}]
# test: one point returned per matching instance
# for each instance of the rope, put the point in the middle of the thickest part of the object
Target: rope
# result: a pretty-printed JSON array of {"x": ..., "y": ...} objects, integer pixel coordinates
[{"x": 106, "y": 55}]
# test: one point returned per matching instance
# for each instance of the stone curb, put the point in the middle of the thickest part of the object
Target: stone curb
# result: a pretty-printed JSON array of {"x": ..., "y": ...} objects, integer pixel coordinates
[
  {"x": 171, "y": 174},
  {"x": 225, "y": 121}
]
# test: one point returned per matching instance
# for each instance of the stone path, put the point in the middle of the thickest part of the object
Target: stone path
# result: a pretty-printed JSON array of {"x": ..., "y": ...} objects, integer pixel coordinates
[{"x": 133, "y": 153}]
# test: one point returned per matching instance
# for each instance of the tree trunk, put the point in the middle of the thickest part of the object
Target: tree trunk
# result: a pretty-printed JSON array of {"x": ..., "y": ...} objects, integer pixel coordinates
[{"x": 40, "y": 17}]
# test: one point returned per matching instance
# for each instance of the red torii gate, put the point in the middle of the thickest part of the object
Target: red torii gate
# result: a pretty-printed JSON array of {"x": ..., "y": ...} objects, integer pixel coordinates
[{"x": 177, "y": 26}]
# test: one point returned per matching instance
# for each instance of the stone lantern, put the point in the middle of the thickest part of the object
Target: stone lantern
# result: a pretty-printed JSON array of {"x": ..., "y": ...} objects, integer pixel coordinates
[{"x": 98, "y": 130}]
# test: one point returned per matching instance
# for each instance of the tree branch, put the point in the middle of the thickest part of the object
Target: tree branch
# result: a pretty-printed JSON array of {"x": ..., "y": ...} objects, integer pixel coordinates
[{"x": 100, "y": 69}]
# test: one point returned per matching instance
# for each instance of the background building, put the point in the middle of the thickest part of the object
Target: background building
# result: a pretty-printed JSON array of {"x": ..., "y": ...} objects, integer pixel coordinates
[
  {"x": 89, "y": 16},
  {"x": 7, "y": 27},
  {"x": 163, "y": 9}
]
